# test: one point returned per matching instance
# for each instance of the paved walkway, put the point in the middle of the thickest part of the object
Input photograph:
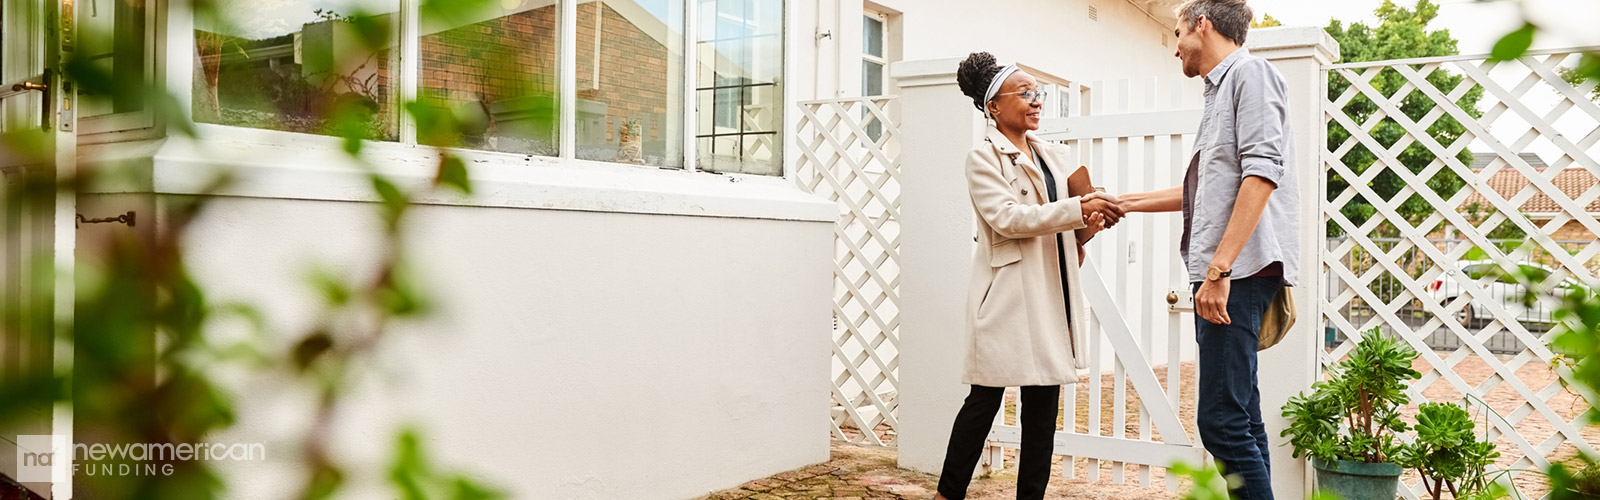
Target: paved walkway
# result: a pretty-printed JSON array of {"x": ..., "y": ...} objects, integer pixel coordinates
[{"x": 870, "y": 473}]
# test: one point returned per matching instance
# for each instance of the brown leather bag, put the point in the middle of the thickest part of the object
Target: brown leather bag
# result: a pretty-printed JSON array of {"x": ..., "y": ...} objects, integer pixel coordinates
[{"x": 1276, "y": 322}]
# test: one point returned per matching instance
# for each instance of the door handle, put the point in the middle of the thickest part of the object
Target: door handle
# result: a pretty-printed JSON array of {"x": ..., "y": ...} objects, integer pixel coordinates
[{"x": 35, "y": 84}]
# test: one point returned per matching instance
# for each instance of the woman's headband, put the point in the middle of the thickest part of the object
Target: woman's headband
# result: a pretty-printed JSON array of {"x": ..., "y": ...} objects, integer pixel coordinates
[{"x": 994, "y": 87}]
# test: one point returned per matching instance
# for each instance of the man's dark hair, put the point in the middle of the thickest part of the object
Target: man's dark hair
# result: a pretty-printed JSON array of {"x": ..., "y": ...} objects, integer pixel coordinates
[
  {"x": 975, "y": 75},
  {"x": 1231, "y": 18}
]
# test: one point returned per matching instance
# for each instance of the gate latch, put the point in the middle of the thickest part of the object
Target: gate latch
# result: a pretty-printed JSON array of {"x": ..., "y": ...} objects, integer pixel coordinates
[{"x": 127, "y": 218}]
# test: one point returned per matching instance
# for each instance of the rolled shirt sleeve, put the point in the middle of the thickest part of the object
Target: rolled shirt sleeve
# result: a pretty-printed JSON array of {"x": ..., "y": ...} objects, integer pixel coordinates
[
  {"x": 1244, "y": 132},
  {"x": 1262, "y": 108}
]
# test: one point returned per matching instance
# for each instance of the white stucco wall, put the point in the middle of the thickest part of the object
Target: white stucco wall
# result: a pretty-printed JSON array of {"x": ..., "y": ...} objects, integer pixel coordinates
[
  {"x": 1054, "y": 36},
  {"x": 573, "y": 355}
]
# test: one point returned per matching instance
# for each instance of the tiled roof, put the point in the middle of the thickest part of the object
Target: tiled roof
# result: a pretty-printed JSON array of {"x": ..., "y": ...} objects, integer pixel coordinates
[{"x": 1573, "y": 181}]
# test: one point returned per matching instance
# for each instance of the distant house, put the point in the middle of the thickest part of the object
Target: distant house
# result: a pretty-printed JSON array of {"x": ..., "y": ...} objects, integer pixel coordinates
[{"x": 1508, "y": 181}]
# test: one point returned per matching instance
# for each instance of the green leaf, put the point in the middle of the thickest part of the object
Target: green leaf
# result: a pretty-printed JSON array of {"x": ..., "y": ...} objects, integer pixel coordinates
[
  {"x": 468, "y": 489},
  {"x": 399, "y": 294},
  {"x": 409, "y": 471},
  {"x": 325, "y": 482},
  {"x": 453, "y": 174},
  {"x": 334, "y": 290},
  {"x": 1514, "y": 44},
  {"x": 374, "y": 30},
  {"x": 310, "y": 348},
  {"x": 394, "y": 201}
]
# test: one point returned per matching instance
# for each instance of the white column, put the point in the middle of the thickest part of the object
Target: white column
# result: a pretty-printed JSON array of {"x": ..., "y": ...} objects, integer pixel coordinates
[
  {"x": 939, "y": 127},
  {"x": 1299, "y": 53}
]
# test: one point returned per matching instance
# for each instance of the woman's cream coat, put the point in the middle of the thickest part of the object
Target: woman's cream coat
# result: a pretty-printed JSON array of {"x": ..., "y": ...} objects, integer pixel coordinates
[{"x": 1018, "y": 330}]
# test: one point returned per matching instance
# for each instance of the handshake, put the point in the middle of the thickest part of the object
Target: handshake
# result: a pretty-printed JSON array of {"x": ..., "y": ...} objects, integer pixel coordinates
[{"x": 1101, "y": 210}]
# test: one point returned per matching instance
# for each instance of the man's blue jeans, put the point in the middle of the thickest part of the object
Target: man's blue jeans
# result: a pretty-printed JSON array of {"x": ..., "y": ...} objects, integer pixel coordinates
[{"x": 1229, "y": 406}]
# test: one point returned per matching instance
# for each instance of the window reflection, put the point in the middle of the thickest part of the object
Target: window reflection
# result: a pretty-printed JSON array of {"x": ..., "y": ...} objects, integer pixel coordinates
[
  {"x": 314, "y": 66},
  {"x": 495, "y": 70},
  {"x": 740, "y": 55},
  {"x": 630, "y": 81}
]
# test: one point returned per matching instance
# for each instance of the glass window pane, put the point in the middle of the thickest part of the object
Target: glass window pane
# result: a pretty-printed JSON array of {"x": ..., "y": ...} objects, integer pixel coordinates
[
  {"x": 21, "y": 57},
  {"x": 312, "y": 66},
  {"x": 494, "y": 71},
  {"x": 764, "y": 62},
  {"x": 872, "y": 85},
  {"x": 630, "y": 81},
  {"x": 739, "y": 107},
  {"x": 872, "y": 36},
  {"x": 727, "y": 102},
  {"x": 871, "y": 78},
  {"x": 731, "y": 59},
  {"x": 1064, "y": 102},
  {"x": 112, "y": 40}
]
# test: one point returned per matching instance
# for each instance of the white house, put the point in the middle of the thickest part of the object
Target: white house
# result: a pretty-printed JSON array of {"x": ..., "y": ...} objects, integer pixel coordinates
[{"x": 640, "y": 314}]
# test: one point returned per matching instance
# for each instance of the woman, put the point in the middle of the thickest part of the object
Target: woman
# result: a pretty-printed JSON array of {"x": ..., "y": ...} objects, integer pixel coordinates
[{"x": 1026, "y": 314}]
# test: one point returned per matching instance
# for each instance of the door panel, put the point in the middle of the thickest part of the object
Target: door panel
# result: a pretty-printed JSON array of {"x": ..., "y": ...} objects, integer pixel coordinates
[{"x": 38, "y": 151}]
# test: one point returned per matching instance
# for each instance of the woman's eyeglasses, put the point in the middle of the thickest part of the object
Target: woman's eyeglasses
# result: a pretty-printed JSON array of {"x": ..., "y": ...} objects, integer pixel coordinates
[{"x": 1030, "y": 96}]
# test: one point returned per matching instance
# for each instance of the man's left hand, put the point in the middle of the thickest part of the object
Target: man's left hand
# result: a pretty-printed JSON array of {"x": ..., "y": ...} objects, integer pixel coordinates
[{"x": 1211, "y": 302}]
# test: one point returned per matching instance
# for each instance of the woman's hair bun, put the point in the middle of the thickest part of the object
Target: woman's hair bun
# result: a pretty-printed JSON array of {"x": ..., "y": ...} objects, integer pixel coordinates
[{"x": 975, "y": 75}]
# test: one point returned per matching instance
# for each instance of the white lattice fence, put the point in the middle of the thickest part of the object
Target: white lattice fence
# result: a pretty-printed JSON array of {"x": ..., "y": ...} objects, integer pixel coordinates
[
  {"x": 850, "y": 153},
  {"x": 1457, "y": 200}
]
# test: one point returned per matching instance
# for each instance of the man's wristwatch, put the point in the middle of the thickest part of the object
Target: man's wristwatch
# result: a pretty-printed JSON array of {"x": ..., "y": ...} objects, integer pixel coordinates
[{"x": 1214, "y": 273}]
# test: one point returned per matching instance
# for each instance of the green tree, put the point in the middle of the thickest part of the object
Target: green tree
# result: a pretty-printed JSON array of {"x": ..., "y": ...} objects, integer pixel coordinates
[
  {"x": 1576, "y": 77},
  {"x": 1267, "y": 21},
  {"x": 1401, "y": 33}
]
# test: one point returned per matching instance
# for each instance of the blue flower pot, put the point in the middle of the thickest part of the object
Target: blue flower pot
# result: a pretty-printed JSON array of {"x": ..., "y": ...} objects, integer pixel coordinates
[{"x": 1359, "y": 480}]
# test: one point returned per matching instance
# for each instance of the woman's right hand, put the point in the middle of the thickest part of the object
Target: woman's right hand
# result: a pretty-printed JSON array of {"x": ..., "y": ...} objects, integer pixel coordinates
[{"x": 1105, "y": 204}]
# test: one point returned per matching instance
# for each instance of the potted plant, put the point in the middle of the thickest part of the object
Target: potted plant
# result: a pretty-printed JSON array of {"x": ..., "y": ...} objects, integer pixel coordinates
[
  {"x": 1447, "y": 453},
  {"x": 1347, "y": 424}
]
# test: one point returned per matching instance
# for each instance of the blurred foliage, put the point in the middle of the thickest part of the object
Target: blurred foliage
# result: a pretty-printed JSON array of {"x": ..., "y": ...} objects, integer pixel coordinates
[
  {"x": 155, "y": 355},
  {"x": 1576, "y": 337},
  {"x": 1206, "y": 482}
]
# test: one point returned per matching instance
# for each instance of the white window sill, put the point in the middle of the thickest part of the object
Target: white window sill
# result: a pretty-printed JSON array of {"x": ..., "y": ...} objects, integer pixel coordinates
[{"x": 281, "y": 165}]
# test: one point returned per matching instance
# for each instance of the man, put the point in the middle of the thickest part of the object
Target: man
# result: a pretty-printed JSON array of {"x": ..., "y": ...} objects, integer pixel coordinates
[{"x": 1239, "y": 241}]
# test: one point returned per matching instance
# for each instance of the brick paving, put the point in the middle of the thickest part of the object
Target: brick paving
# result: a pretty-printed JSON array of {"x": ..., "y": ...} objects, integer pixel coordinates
[
  {"x": 870, "y": 473},
  {"x": 863, "y": 473}
]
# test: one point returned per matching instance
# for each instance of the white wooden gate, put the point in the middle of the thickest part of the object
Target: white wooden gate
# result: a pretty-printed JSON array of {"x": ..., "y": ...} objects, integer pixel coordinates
[
  {"x": 850, "y": 153},
  {"x": 1526, "y": 107},
  {"x": 1123, "y": 417}
]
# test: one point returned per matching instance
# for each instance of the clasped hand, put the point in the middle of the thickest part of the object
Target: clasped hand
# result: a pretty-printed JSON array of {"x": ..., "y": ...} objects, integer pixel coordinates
[{"x": 1102, "y": 210}]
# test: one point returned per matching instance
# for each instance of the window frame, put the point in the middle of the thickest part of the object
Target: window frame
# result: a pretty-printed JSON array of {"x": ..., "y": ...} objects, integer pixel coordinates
[
  {"x": 745, "y": 88},
  {"x": 408, "y": 75},
  {"x": 141, "y": 123},
  {"x": 880, "y": 60}
]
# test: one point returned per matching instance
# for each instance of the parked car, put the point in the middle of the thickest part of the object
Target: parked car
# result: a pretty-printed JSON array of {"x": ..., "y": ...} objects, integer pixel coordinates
[{"x": 1504, "y": 287}]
